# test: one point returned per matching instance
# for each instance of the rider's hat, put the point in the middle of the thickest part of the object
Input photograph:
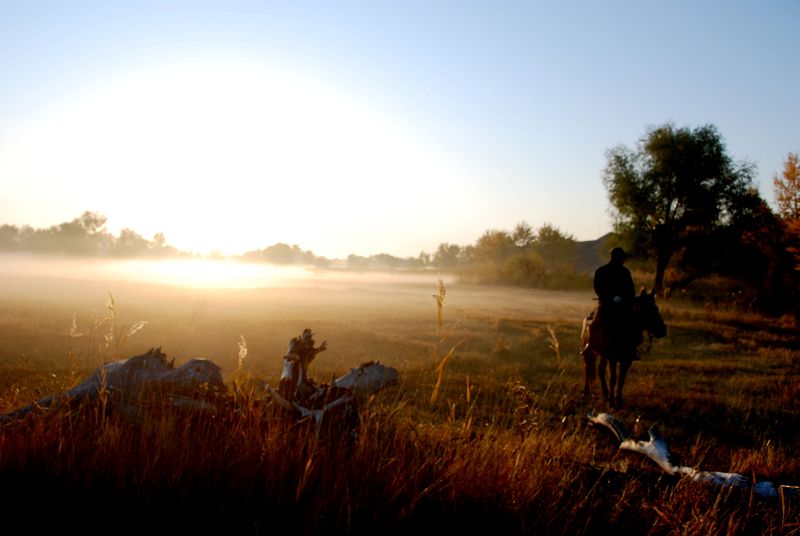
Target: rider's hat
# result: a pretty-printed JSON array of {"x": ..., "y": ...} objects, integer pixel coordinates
[{"x": 618, "y": 254}]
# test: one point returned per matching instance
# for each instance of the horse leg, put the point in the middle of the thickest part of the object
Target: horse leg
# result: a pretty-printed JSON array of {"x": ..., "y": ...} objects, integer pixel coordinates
[
  {"x": 623, "y": 372},
  {"x": 589, "y": 368},
  {"x": 601, "y": 373},
  {"x": 612, "y": 379}
]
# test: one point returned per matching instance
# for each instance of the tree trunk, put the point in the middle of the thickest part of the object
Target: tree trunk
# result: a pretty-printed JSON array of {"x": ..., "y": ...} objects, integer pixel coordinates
[{"x": 661, "y": 267}]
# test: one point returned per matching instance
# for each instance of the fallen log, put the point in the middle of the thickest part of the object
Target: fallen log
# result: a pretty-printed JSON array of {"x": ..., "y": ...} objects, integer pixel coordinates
[
  {"x": 657, "y": 450},
  {"x": 131, "y": 383},
  {"x": 305, "y": 398}
]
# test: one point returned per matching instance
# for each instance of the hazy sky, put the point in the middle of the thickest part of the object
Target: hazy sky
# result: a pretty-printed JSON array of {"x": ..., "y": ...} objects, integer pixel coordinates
[{"x": 368, "y": 127}]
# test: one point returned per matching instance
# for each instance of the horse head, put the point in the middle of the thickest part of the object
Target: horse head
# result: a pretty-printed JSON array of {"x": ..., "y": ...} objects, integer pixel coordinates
[{"x": 649, "y": 315}]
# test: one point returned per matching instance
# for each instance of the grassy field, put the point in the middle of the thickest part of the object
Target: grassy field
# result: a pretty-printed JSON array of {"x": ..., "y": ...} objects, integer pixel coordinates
[{"x": 503, "y": 447}]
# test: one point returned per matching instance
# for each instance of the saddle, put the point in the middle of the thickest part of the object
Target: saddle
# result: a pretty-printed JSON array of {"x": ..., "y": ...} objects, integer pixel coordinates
[{"x": 615, "y": 334}]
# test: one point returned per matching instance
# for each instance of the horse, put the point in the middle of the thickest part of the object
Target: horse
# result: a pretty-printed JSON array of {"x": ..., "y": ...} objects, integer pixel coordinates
[{"x": 619, "y": 351}]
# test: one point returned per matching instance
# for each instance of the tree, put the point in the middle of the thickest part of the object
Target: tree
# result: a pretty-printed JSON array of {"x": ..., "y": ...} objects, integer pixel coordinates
[
  {"x": 494, "y": 246},
  {"x": 787, "y": 196},
  {"x": 357, "y": 262},
  {"x": 424, "y": 259},
  {"x": 447, "y": 255},
  {"x": 523, "y": 235},
  {"x": 85, "y": 235},
  {"x": 130, "y": 244},
  {"x": 674, "y": 191},
  {"x": 787, "y": 188},
  {"x": 10, "y": 237},
  {"x": 557, "y": 249},
  {"x": 384, "y": 260},
  {"x": 279, "y": 253}
]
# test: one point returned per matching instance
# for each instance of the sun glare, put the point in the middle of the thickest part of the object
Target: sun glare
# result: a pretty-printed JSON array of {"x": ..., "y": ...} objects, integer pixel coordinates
[
  {"x": 236, "y": 156},
  {"x": 195, "y": 273}
]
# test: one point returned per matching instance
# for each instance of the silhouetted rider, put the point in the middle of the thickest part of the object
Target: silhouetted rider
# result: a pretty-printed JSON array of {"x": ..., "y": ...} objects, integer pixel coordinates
[
  {"x": 613, "y": 285},
  {"x": 613, "y": 282}
]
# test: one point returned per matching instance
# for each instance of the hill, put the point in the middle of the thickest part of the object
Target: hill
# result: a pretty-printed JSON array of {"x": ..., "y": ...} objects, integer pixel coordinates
[{"x": 592, "y": 253}]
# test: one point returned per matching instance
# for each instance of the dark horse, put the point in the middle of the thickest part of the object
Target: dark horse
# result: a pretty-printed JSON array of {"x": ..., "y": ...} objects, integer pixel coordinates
[{"x": 619, "y": 347}]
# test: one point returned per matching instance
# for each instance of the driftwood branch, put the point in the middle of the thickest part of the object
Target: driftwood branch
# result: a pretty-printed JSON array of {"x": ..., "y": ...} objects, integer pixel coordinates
[
  {"x": 656, "y": 449},
  {"x": 131, "y": 384}
]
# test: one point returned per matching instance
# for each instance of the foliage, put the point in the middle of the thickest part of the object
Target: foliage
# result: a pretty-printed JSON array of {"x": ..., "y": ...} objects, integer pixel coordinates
[
  {"x": 86, "y": 235},
  {"x": 545, "y": 258},
  {"x": 447, "y": 256},
  {"x": 793, "y": 240},
  {"x": 556, "y": 248},
  {"x": 284, "y": 254},
  {"x": 678, "y": 191},
  {"x": 787, "y": 196},
  {"x": 787, "y": 188}
]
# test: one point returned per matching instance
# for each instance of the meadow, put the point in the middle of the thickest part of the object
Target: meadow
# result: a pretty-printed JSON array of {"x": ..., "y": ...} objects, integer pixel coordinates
[{"x": 486, "y": 430}]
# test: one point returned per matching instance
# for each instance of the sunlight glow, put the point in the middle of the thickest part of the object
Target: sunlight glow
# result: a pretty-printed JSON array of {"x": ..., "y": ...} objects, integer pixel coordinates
[
  {"x": 196, "y": 273},
  {"x": 204, "y": 273},
  {"x": 193, "y": 273},
  {"x": 234, "y": 156}
]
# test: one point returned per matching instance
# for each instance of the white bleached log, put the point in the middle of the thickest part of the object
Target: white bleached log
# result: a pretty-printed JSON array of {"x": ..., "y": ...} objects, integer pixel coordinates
[
  {"x": 131, "y": 382},
  {"x": 657, "y": 450}
]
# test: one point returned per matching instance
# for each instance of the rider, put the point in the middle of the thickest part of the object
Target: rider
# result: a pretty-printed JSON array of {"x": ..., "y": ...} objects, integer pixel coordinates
[{"x": 613, "y": 285}]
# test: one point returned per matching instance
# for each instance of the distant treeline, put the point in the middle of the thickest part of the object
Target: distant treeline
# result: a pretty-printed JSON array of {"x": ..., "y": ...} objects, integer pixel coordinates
[
  {"x": 691, "y": 215},
  {"x": 545, "y": 257},
  {"x": 540, "y": 258},
  {"x": 285, "y": 254},
  {"x": 84, "y": 236}
]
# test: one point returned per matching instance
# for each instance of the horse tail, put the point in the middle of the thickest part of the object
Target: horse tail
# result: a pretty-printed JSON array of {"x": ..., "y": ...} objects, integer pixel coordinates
[{"x": 588, "y": 355}]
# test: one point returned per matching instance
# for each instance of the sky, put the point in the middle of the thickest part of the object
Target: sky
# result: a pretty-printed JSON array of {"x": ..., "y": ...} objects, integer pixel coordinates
[{"x": 371, "y": 127}]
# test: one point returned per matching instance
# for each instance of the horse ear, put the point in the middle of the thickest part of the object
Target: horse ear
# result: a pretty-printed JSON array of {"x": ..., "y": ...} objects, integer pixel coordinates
[
  {"x": 653, "y": 292},
  {"x": 642, "y": 291}
]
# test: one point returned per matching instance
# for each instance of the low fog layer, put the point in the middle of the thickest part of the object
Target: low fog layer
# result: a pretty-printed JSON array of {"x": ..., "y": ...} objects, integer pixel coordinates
[
  {"x": 43, "y": 300},
  {"x": 194, "y": 273},
  {"x": 242, "y": 287}
]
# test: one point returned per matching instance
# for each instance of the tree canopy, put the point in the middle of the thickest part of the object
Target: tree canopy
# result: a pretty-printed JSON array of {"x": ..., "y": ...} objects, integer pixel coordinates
[
  {"x": 787, "y": 188},
  {"x": 677, "y": 193},
  {"x": 787, "y": 197},
  {"x": 85, "y": 235},
  {"x": 543, "y": 258}
]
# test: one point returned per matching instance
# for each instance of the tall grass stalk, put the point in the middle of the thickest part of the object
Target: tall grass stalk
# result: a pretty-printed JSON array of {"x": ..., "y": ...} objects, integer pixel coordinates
[
  {"x": 242, "y": 354},
  {"x": 440, "y": 370},
  {"x": 552, "y": 341},
  {"x": 117, "y": 335},
  {"x": 439, "y": 298}
]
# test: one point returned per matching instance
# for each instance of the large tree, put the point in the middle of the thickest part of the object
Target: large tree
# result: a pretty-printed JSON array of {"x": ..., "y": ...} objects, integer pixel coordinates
[{"x": 674, "y": 191}]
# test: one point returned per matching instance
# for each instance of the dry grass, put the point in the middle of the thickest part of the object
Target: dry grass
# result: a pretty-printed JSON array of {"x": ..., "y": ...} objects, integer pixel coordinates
[{"x": 495, "y": 440}]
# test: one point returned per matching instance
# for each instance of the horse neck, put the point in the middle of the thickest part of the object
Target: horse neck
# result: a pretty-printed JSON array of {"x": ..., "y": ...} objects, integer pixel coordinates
[{"x": 642, "y": 316}]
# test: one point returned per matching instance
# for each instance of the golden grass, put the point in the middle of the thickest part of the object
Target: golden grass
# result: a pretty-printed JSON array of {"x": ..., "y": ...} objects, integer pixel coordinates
[{"x": 489, "y": 435}]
